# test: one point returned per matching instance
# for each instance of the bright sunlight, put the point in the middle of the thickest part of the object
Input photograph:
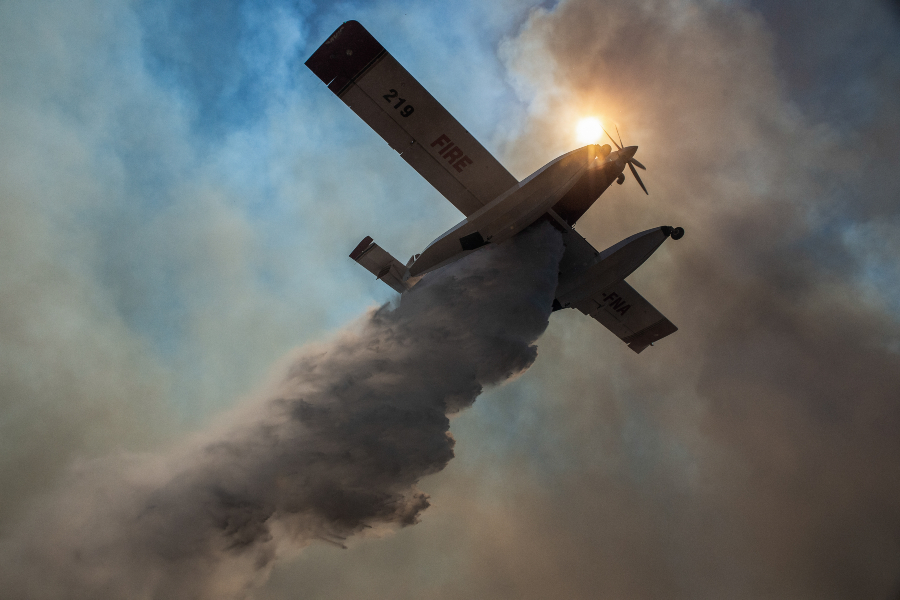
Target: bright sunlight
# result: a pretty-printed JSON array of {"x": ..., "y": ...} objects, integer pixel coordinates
[{"x": 589, "y": 130}]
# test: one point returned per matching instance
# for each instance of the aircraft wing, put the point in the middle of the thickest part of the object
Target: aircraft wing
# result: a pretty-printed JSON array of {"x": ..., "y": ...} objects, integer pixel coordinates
[
  {"x": 625, "y": 312},
  {"x": 377, "y": 88}
]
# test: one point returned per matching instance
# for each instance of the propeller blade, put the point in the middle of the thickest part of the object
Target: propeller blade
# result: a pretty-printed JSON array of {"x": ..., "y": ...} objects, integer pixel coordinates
[
  {"x": 636, "y": 176},
  {"x": 638, "y": 165},
  {"x": 611, "y": 139},
  {"x": 620, "y": 136}
]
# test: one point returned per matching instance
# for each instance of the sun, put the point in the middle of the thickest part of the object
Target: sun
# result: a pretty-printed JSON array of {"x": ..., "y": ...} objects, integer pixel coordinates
[{"x": 589, "y": 130}]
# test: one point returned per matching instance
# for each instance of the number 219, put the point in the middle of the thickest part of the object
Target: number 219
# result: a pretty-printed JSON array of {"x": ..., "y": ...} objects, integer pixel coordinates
[{"x": 406, "y": 110}]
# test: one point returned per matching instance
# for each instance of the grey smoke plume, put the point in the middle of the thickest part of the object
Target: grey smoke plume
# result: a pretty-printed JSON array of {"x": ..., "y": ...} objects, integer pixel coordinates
[
  {"x": 335, "y": 448},
  {"x": 755, "y": 455}
]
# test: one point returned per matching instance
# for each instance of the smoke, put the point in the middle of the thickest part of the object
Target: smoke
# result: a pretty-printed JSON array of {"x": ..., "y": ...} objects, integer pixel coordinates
[
  {"x": 753, "y": 453},
  {"x": 335, "y": 448}
]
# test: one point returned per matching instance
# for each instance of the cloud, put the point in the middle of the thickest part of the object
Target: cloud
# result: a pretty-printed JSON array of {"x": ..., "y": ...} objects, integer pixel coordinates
[
  {"x": 751, "y": 453},
  {"x": 75, "y": 378},
  {"x": 153, "y": 270},
  {"x": 755, "y": 444},
  {"x": 335, "y": 449}
]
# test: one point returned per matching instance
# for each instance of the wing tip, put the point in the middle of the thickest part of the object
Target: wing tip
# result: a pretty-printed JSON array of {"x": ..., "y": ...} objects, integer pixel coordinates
[
  {"x": 361, "y": 247},
  {"x": 344, "y": 55},
  {"x": 653, "y": 333}
]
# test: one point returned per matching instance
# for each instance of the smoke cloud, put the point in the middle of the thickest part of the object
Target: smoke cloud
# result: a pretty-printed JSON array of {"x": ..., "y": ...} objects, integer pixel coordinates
[
  {"x": 336, "y": 449},
  {"x": 155, "y": 231},
  {"x": 753, "y": 453}
]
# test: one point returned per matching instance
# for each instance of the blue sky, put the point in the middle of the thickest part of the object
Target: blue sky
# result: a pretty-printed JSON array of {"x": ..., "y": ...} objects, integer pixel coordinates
[{"x": 178, "y": 196}]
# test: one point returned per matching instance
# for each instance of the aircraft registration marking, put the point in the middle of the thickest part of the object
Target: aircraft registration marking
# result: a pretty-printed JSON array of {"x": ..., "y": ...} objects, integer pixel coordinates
[
  {"x": 451, "y": 152},
  {"x": 615, "y": 302}
]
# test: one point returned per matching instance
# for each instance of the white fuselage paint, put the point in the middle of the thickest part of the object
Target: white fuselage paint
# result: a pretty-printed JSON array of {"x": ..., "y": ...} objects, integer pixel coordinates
[{"x": 512, "y": 211}]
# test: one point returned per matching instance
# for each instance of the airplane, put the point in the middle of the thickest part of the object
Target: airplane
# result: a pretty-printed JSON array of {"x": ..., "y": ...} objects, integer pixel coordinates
[{"x": 357, "y": 68}]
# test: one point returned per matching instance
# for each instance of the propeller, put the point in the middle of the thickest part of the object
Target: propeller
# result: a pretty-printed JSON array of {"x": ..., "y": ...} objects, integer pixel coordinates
[{"x": 632, "y": 162}]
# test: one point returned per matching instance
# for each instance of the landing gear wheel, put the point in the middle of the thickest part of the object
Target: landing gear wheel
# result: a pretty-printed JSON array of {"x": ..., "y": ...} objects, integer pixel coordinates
[{"x": 677, "y": 233}]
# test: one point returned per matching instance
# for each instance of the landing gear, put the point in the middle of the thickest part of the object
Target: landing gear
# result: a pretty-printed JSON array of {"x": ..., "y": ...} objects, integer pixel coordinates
[
  {"x": 620, "y": 179},
  {"x": 677, "y": 233}
]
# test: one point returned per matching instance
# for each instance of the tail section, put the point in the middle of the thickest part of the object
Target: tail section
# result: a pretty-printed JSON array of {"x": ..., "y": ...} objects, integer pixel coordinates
[{"x": 381, "y": 264}]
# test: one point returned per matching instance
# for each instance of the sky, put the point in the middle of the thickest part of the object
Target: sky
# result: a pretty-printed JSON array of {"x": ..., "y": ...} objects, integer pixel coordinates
[{"x": 178, "y": 197}]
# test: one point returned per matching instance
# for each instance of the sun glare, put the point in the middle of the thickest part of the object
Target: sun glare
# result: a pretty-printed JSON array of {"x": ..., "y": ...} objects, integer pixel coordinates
[{"x": 589, "y": 130}]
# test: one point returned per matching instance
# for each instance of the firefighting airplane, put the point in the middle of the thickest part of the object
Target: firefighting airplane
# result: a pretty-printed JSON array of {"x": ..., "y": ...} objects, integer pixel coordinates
[{"x": 377, "y": 88}]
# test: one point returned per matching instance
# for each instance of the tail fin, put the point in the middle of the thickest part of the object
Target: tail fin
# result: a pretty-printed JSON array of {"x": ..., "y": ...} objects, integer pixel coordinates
[{"x": 381, "y": 264}]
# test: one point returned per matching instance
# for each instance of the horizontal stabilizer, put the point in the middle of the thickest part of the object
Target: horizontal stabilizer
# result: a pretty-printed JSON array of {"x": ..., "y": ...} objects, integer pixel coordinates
[
  {"x": 625, "y": 312},
  {"x": 381, "y": 264}
]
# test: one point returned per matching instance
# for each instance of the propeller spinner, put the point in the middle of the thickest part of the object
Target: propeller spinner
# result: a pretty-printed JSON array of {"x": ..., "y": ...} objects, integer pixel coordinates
[{"x": 628, "y": 155}]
